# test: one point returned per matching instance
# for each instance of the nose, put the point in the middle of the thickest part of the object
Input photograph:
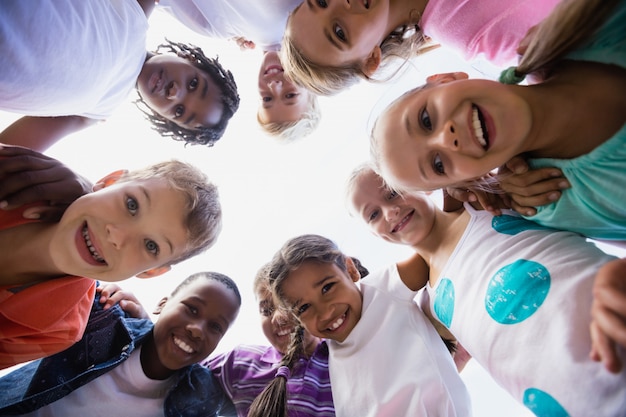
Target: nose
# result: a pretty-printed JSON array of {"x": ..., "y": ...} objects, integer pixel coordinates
[
  {"x": 279, "y": 317},
  {"x": 116, "y": 235},
  {"x": 173, "y": 91},
  {"x": 275, "y": 86},
  {"x": 448, "y": 137},
  {"x": 391, "y": 213},
  {"x": 194, "y": 329}
]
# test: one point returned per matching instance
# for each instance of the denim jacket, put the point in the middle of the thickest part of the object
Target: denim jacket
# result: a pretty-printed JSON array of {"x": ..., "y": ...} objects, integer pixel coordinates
[{"x": 109, "y": 339}]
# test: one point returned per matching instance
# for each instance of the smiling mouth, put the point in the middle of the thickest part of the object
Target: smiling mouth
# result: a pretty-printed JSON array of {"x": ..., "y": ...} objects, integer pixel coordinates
[
  {"x": 157, "y": 82},
  {"x": 182, "y": 345},
  {"x": 480, "y": 128},
  {"x": 335, "y": 325},
  {"x": 92, "y": 250},
  {"x": 284, "y": 332},
  {"x": 403, "y": 222}
]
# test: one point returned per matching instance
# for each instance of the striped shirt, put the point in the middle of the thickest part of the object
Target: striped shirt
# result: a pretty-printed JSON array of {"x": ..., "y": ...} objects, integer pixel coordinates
[{"x": 246, "y": 370}]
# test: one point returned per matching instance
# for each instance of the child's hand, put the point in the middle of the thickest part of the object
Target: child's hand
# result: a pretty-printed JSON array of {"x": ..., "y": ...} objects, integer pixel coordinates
[
  {"x": 27, "y": 176},
  {"x": 111, "y": 294},
  {"x": 608, "y": 313},
  {"x": 492, "y": 202},
  {"x": 528, "y": 189},
  {"x": 244, "y": 44}
]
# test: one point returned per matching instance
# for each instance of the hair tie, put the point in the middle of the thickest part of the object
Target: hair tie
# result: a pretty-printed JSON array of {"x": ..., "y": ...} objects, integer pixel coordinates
[
  {"x": 283, "y": 371},
  {"x": 511, "y": 76}
]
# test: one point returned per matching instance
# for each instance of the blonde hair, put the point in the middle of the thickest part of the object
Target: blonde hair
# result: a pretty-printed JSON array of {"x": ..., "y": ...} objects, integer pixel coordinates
[
  {"x": 570, "y": 24},
  {"x": 403, "y": 43},
  {"x": 295, "y": 129},
  {"x": 203, "y": 211}
]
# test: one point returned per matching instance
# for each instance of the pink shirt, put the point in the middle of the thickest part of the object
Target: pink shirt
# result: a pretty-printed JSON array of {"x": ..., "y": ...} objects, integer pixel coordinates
[{"x": 489, "y": 29}]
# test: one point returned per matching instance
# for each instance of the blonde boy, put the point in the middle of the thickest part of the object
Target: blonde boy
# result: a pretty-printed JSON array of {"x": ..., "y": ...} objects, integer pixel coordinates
[{"x": 138, "y": 223}]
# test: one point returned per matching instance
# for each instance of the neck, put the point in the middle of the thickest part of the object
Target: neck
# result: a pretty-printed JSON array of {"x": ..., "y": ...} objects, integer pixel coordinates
[
  {"x": 445, "y": 234},
  {"x": 575, "y": 110},
  {"x": 150, "y": 362},
  {"x": 29, "y": 260}
]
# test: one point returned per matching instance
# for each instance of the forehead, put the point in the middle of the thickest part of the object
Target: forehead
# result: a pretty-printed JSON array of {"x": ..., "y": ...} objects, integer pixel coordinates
[
  {"x": 309, "y": 276},
  {"x": 213, "y": 293}
]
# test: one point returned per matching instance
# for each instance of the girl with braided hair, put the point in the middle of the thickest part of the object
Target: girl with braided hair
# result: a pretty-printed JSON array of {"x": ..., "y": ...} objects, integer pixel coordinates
[
  {"x": 385, "y": 356},
  {"x": 62, "y": 89}
]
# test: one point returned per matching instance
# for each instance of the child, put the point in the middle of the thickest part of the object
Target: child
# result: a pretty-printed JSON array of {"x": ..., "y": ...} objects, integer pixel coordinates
[
  {"x": 88, "y": 73},
  {"x": 246, "y": 370},
  {"x": 138, "y": 223},
  {"x": 454, "y": 130},
  {"x": 124, "y": 364},
  {"x": 330, "y": 44},
  {"x": 287, "y": 111},
  {"x": 378, "y": 338},
  {"x": 505, "y": 286}
]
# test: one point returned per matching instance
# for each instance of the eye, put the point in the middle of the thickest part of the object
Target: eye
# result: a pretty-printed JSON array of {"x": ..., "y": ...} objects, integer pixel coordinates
[
  {"x": 216, "y": 327},
  {"x": 179, "y": 111},
  {"x": 392, "y": 194},
  {"x": 291, "y": 95},
  {"x": 131, "y": 205},
  {"x": 425, "y": 120},
  {"x": 339, "y": 33},
  {"x": 438, "y": 165},
  {"x": 322, "y": 4},
  {"x": 267, "y": 312},
  {"x": 193, "y": 84},
  {"x": 327, "y": 287},
  {"x": 302, "y": 309},
  {"x": 266, "y": 99},
  {"x": 374, "y": 215},
  {"x": 151, "y": 246}
]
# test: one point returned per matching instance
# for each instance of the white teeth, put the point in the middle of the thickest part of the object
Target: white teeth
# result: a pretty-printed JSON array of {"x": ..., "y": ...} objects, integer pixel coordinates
[
  {"x": 284, "y": 332},
  {"x": 184, "y": 346},
  {"x": 273, "y": 71},
  {"x": 92, "y": 250},
  {"x": 478, "y": 129},
  {"x": 338, "y": 323}
]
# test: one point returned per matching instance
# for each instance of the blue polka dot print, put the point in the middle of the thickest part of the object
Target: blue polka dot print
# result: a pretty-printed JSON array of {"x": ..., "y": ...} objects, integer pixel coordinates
[
  {"x": 512, "y": 225},
  {"x": 516, "y": 291},
  {"x": 543, "y": 404},
  {"x": 444, "y": 301}
]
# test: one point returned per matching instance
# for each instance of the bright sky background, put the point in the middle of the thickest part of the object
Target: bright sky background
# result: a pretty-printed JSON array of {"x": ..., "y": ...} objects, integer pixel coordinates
[{"x": 269, "y": 191}]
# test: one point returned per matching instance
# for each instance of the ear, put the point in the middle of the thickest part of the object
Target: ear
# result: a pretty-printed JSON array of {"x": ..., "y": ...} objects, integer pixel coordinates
[
  {"x": 160, "y": 306},
  {"x": 110, "y": 179},
  {"x": 372, "y": 62},
  {"x": 447, "y": 77},
  {"x": 353, "y": 272},
  {"x": 154, "y": 272}
]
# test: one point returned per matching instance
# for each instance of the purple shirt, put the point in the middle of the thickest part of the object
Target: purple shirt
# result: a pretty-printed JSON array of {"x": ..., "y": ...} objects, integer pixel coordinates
[{"x": 246, "y": 370}]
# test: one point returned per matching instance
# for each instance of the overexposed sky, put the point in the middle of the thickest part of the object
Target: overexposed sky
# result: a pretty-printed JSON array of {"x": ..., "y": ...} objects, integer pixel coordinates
[{"x": 270, "y": 191}]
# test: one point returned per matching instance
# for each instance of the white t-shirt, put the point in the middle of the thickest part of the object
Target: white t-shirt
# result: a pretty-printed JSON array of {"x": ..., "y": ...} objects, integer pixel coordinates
[
  {"x": 123, "y": 391},
  {"x": 518, "y": 297},
  {"x": 70, "y": 57},
  {"x": 262, "y": 22},
  {"x": 394, "y": 363}
]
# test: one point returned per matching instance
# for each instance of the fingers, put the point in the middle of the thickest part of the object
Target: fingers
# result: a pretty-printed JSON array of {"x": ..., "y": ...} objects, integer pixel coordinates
[
  {"x": 49, "y": 214},
  {"x": 603, "y": 349},
  {"x": 609, "y": 304},
  {"x": 111, "y": 294},
  {"x": 533, "y": 188},
  {"x": 134, "y": 309}
]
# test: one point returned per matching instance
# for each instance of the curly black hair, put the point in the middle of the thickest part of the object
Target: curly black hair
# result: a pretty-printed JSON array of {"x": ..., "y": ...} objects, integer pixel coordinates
[{"x": 222, "y": 77}]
